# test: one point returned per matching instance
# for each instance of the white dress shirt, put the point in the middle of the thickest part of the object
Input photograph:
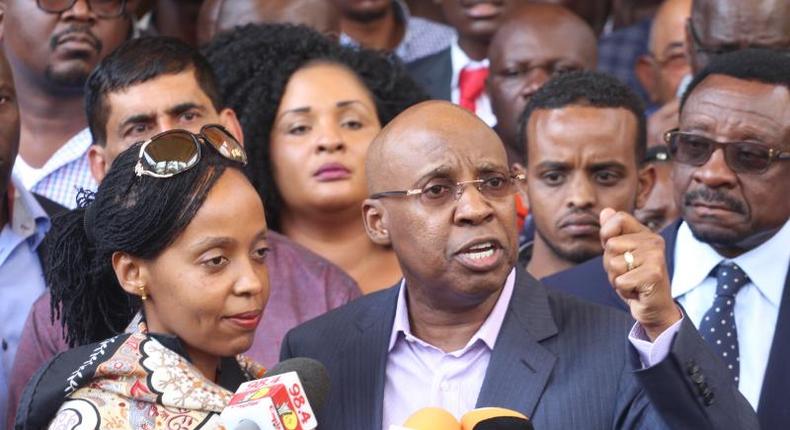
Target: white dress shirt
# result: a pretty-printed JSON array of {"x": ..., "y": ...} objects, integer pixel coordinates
[
  {"x": 756, "y": 304},
  {"x": 459, "y": 61}
]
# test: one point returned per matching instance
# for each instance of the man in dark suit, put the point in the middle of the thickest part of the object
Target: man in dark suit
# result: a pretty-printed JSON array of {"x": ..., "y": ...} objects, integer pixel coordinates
[
  {"x": 465, "y": 328},
  {"x": 459, "y": 73},
  {"x": 733, "y": 200}
]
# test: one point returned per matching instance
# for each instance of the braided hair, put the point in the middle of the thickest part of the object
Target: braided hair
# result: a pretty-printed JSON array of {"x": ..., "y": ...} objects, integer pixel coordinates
[
  {"x": 140, "y": 216},
  {"x": 254, "y": 64}
]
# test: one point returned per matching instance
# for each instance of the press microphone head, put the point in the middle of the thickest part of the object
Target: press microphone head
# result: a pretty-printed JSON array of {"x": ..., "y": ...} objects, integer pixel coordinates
[
  {"x": 495, "y": 419},
  {"x": 312, "y": 374},
  {"x": 504, "y": 423},
  {"x": 432, "y": 419}
]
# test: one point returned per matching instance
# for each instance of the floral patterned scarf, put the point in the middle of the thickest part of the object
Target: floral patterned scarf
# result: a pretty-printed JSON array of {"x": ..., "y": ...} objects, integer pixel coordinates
[{"x": 137, "y": 381}]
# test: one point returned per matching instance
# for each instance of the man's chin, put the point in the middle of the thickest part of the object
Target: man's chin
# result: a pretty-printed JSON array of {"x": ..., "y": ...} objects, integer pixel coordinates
[{"x": 71, "y": 76}]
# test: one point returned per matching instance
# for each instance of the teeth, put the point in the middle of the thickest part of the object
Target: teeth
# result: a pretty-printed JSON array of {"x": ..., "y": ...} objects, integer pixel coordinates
[
  {"x": 480, "y": 255},
  {"x": 484, "y": 245}
]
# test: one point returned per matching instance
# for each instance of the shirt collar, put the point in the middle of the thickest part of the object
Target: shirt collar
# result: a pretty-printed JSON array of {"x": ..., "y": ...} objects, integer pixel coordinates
[
  {"x": 766, "y": 265},
  {"x": 460, "y": 60},
  {"x": 487, "y": 333},
  {"x": 28, "y": 219}
]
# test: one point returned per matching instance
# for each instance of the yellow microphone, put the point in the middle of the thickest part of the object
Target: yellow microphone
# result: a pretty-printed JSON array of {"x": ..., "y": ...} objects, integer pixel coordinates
[
  {"x": 495, "y": 419},
  {"x": 431, "y": 419}
]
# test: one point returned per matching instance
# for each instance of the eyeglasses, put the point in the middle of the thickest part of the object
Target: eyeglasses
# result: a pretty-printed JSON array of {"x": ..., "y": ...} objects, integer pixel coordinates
[
  {"x": 741, "y": 157},
  {"x": 176, "y": 151},
  {"x": 102, "y": 8},
  {"x": 441, "y": 192}
]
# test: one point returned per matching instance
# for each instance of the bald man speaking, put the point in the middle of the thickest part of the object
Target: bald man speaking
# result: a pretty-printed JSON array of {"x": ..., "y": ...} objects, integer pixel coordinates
[{"x": 468, "y": 328}]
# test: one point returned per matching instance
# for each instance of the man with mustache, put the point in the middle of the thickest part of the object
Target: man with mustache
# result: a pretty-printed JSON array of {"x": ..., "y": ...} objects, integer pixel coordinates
[
  {"x": 467, "y": 327},
  {"x": 52, "y": 46},
  {"x": 583, "y": 139},
  {"x": 728, "y": 256}
]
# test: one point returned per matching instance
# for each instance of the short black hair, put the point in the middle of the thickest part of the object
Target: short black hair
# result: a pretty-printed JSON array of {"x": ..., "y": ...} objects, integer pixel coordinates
[
  {"x": 254, "y": 64},
  {"x": 769, "y": 66},
  {"x": 587, "y": 88},
  {"x": 137, "y": 61}
]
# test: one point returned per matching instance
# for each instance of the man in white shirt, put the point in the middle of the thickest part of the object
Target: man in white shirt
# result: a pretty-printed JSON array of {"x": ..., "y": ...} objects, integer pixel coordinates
[
  {"x": 459, "y": 73},
  {"x": 729, "y": 255},
  {"x": 52, "y": 47}
]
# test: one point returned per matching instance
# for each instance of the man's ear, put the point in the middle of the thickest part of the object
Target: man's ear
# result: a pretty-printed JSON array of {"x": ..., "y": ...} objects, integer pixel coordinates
[
  {"x": 229, "y": 120},
  {"x": 97, "y": 159},
  {"x": 519, "y": 171},
  {"x": 647, "y": 179},
  {"x": 131, "y": 272},
  {"x": 376, "y": 220},
  {"x": 644, "y": 71}
]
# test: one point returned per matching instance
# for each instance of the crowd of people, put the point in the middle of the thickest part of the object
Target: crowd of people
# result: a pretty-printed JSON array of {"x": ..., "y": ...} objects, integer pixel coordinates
[{"x": 576, "y": 210}]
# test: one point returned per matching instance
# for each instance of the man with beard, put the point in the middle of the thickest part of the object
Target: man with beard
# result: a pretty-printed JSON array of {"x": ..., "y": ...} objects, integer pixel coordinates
[
  {"x": 728, "y": 256},
  {"x": 583, "y": 135},
  {"x": 387, "y": 25},
  {"x": 52, "y": 46},
  {"x": 535, "y": 43}
]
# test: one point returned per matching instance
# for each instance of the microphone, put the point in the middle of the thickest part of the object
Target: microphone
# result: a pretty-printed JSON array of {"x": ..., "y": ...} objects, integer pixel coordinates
[
  {"x": 430, "y": 418},
  {"x": 279, "y": 400},
  {"x": 495, "y": 419}
]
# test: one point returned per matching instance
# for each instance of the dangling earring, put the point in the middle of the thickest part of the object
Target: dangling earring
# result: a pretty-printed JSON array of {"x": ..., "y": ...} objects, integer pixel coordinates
[{"x": 142, "y": 293}]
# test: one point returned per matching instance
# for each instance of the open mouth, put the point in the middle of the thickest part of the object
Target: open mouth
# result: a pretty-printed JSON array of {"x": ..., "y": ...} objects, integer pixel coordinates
[{"x": 481, "y": 256}]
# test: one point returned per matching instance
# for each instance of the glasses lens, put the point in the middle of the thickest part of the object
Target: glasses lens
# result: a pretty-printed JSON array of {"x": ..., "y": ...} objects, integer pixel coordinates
[
  {"x": 55, "y": 6},
  {"x": 747, "y": 157},
  {"x": 496, "y": 186},
  {"x": 107, "y": 8},
  {"x": 170, "y": 154},
  {"x": 437, "y": 192},
  {"x": 225, "y": 143},
  {"x": 690, "y": 149}
]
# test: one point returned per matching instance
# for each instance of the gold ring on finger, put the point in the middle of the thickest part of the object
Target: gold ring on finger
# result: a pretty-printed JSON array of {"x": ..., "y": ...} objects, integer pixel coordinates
[{"x": 629, "y": 260}]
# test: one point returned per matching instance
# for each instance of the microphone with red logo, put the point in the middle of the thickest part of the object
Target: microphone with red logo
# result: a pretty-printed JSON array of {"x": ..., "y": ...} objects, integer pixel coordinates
[{"x": 279, "y": 400}]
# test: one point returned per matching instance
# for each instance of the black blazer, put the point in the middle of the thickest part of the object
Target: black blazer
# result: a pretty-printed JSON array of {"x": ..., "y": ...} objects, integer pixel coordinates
[
  {"x": 561, "y": 361},
  {"x": 52, "y": 209},
  {"x": 434, "y": 74},
  {"x": 589, "y": 281}
]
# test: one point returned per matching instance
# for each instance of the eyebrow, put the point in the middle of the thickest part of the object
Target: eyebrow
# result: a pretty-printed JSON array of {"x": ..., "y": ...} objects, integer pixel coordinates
[
  {"x": 606, "y": 165},
  {"x": 222, "y": 241},
  {"x": 149, "y": 116},
  {"x": 307, "y": 109}
]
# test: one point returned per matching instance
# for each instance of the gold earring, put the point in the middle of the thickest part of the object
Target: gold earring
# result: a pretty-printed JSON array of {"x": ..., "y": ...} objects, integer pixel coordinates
[{"x": 142, "y": 293}]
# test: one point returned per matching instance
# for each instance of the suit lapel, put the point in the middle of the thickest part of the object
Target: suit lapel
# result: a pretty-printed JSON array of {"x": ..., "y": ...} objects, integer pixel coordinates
[
  {"x": 772, "y": 410},
  {"x": 670, "y": 235},
  {"x": 364, "y": 367},
  {"x": 518, "y": 354}
]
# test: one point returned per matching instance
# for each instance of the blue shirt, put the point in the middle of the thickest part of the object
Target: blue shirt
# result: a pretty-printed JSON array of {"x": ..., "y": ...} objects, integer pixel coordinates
[{"x": 21, "y": 274}]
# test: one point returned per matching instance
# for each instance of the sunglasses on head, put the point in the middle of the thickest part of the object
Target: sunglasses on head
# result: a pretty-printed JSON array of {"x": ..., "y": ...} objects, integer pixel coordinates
[
  {"x": 741, "y": 157},
  {"x": 176, "y": 151}
]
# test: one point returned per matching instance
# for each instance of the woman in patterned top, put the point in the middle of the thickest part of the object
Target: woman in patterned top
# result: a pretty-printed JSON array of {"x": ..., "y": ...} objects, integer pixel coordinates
[{"x": 175, "y": 235}]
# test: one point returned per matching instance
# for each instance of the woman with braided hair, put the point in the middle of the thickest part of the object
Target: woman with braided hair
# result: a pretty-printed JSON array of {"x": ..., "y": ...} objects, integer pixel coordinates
[{"x": 175, "y": 241}]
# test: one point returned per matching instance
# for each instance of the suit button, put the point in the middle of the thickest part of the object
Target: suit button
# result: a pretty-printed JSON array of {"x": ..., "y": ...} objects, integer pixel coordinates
[
  {"x": 698, "y": 378},
  {"x": 692, "y": 368},
  {"x": 707, "y": 398}
]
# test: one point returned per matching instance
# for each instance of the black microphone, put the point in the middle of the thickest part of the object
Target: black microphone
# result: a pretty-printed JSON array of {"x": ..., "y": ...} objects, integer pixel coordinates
[
  {"x": 504, "y": 423},
  {"x": 312, "y": 374}
]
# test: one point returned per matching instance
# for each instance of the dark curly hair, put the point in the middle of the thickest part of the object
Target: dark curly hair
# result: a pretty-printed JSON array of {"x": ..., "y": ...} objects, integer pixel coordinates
[
  {"x": 255, "y": 62},
  {"x": 141, "y": 216}
]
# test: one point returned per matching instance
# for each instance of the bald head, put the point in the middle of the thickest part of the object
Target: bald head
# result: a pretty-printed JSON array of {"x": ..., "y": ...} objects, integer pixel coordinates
[
  {"x": 423, "y": 130},
  {"x": 533, "y": 44},
  {"x": 730, "y": 25},
  {"x": 217, "y": 16}
]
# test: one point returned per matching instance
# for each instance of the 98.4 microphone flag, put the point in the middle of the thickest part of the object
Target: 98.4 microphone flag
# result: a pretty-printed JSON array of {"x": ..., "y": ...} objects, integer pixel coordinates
[{"x": 273, "y": 403}]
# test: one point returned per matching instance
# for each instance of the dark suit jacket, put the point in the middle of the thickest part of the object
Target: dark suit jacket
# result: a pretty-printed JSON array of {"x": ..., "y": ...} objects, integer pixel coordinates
[
  {"x": 434, "y": 74},
  {"x": 52, "y": 209},
  {"x": 563, "y": 362},
  {"x": 588, "y": 280}
]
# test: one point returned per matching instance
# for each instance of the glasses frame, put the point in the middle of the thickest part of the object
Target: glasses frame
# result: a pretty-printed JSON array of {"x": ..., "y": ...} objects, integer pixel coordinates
[
  {"x": 774, "y": 154},
  {"x": 458, "y": 189},
  {"x": 71, "y": 3},
  {"x": 140, "y": 170}
]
